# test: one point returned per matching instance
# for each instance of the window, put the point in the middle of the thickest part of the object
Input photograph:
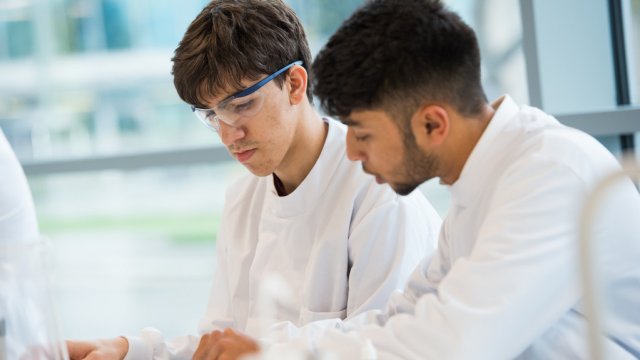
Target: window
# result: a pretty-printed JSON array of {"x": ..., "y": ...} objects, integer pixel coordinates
[
  {"x": 583, "y": 70},
  {"x": 631, "y": 16},
  {"x": 131, "y": 245}
]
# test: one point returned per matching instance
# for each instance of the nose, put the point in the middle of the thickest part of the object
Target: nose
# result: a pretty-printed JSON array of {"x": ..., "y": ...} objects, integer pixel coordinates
[
  {"x": 230, "y": 134},
  {"x": 354, "y": 153}
]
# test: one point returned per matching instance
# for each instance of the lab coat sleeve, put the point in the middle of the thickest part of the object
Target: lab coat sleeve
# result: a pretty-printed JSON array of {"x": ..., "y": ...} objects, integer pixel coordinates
[
  {"x": 150, "y": 344},
  {"x": 424, "y": 279},
  {"x": 385, "y": 246},
  {"x": 519, "y": 279},
  {"x": 218, "y": 315}
]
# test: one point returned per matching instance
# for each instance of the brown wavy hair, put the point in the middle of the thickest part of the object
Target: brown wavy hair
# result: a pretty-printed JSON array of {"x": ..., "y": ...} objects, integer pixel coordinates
[{"x": 233, "y": 40}]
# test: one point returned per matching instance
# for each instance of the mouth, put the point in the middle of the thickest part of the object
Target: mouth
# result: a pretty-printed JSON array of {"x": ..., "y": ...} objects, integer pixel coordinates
[{"x": 244, "y": 156}]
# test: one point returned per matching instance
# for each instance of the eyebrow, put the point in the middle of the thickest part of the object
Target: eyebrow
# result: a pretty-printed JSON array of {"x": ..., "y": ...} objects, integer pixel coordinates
[{"x": 350, "y": 122}]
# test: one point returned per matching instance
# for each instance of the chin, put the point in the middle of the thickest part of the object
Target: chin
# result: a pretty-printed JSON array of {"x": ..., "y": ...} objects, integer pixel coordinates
[
  {"x": 258, "y": 171},
  {"x": 403, "y": 189},
  {"x": 261, "y": 173}
]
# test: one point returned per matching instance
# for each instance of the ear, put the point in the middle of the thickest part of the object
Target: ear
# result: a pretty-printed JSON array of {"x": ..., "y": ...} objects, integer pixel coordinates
[
  {"x": 430, "y": 125},
  {"x": 297, "y": 84}
]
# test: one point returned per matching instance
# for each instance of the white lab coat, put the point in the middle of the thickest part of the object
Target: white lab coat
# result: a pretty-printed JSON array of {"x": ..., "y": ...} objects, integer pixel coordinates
[
  {"x": 504, "y": 282},
  {"x": 17, "y": 215},
  {"x": 341, "y": 242}
]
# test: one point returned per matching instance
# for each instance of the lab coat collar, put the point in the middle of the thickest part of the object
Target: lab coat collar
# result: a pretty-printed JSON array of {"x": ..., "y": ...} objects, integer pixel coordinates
[
  {"x": 314, "y": 184},
  {"x": 476, "y": 170}
]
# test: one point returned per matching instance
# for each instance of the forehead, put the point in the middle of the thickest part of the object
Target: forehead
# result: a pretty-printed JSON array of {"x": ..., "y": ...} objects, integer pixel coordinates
[{"x": 214, "y": 97}]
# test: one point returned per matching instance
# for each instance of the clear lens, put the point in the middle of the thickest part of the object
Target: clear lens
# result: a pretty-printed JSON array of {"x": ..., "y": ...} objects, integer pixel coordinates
[
  {"x": 208, "y": 117},
  {"x": 234, "y": 112}
]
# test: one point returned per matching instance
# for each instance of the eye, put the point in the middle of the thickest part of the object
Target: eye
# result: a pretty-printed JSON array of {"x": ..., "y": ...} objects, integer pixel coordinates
[
  {"x": 243, "y": 106},
  {"x": 362, "y": 138},
  {"x": 210, "y": 115}
]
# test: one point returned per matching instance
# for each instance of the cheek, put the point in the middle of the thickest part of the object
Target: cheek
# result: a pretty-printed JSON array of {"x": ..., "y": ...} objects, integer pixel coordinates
[
  {"x": 274, "y": 114},
  {"x": 392, "y": 155},
  {"x": 276, "y": 127},
  {"x": 281, "y": 121},
  {"x": 267, "y": 127},
  {"x": 276, "y": 135}
]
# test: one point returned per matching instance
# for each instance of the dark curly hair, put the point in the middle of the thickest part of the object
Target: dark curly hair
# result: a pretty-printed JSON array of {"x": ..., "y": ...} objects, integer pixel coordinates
[{"x": 396, "y": 55}]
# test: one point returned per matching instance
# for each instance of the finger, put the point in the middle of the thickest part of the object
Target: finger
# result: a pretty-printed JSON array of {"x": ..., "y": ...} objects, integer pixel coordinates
[
  {"x": 225, "y": 356},
  {"x": 78, "y": 349},
  {"x": 202, "y": 347},
  {"x": 230, "y": 332},
  {"x": 204, "y": 339},
  {"x": 233, "y": 347},
  {"x": 226, "y": 343},
  {"x": 216, "y": 335},
  {"x": 206, "y": 347},
  {"x": 215, "y": 352}
]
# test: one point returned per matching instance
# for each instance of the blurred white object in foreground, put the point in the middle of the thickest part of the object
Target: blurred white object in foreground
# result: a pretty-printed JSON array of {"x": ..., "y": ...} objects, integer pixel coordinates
[
  {"x": 593, "y": 282},
  {"x": 28, "y": 324}
]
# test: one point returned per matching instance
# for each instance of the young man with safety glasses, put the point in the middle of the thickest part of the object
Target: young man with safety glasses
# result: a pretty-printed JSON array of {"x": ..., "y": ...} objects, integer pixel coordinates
[{"x": 340, "y": 242}]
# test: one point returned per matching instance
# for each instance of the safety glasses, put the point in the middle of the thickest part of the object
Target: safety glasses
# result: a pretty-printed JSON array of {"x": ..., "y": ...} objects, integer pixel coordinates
[{"x": 238, "y": 108}]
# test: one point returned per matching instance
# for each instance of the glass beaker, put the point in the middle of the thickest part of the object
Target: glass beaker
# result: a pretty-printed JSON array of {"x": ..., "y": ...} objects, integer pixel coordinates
[{"x": 28, "y": 323}]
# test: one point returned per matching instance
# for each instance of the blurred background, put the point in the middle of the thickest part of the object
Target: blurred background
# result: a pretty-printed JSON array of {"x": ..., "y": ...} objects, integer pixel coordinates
[{"x": 129, "y": 186}]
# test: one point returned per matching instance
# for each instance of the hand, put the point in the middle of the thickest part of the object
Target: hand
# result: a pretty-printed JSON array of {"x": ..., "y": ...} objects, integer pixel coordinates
[
  {"x": 109, "y": 349},
  {"x": 227, "y": 345}
]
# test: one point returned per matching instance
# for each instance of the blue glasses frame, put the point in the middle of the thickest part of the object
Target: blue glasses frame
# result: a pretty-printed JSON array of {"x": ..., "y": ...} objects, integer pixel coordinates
[{"x": 255, "y": 87}]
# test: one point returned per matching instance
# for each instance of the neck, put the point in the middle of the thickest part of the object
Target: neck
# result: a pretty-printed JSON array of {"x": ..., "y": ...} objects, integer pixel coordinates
[
  {"x": 306, "y": 146},
  {"x": 462, "y": 144}
]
